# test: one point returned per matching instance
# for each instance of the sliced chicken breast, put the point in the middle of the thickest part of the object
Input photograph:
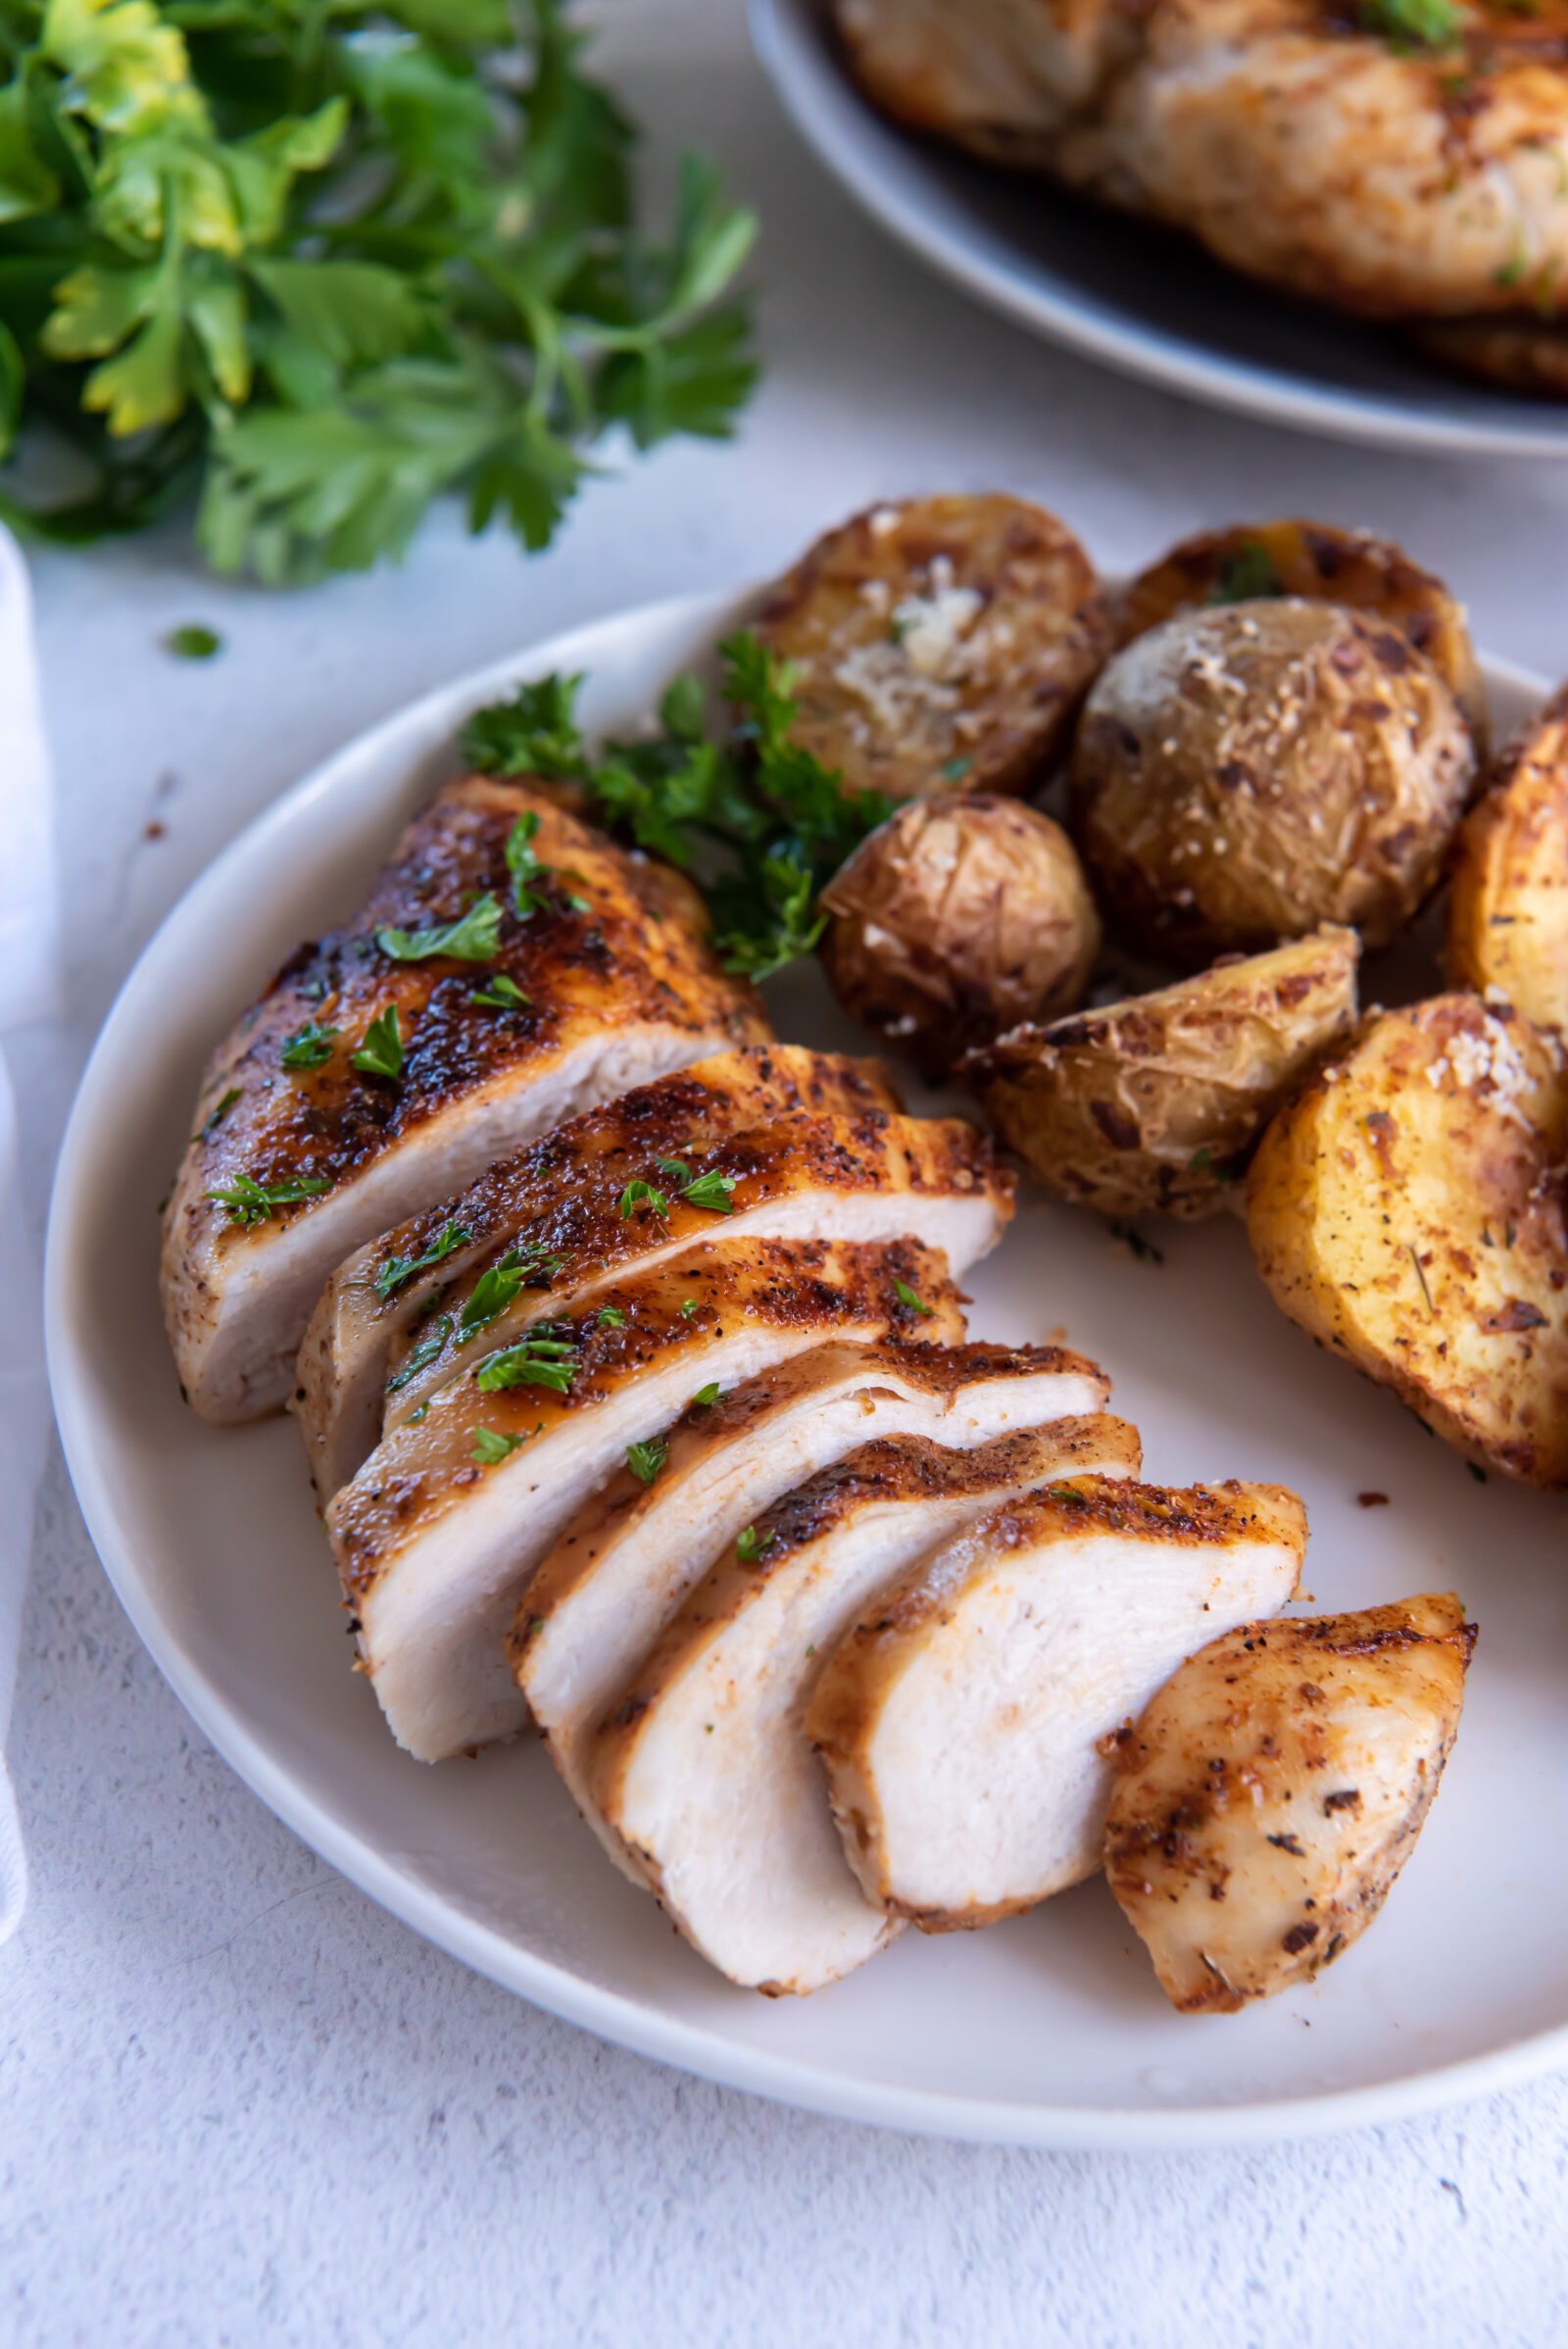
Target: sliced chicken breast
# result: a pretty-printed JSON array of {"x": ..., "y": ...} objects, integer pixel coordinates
[
  {"x": 438, "y": 1534},
  {"x": 1273, "y": 1789},
  {"x": 702, "y": 1770},
  {"x": 962, "y": 1720},
  {"x": 619, "y": 1573},
  {"x": 538, "y": 1202},
  {"x": 510, "y": 968}
]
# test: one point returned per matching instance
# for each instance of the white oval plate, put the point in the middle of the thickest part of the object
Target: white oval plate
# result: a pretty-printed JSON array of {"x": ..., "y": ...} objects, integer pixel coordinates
[
  {"x": 1123, "y": 291},
  {"x": 1047, "y": 2031}
]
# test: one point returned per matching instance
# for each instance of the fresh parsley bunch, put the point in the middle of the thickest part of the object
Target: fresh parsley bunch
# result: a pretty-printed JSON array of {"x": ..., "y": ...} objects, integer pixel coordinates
[
  {"x": 323, "y": 262},
  {"x": 759, "y": 822}
]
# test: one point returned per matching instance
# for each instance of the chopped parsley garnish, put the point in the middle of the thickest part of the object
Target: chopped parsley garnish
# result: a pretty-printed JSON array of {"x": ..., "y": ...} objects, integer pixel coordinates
[
  {"x": 310, "y": 1046},
  {"x": 706, "y": 1397},
  {"x": 643, "y": 1195},
  {"x": 1134, "y": 1241},
  {"x": 709, "y": 1190},
  {"x": 1511, "y": 271},
  {"x": 500, "y": 994},
  {"x": 644, "y": 1460},
  {"x": 381, "y": 1053},
  {"x": 954, "y": 771},
  {"x": 1200, "y": 1161},
  {"x": 193, "y": 642},
  {"x": 476, "y": 937},
  {"x": 1413, "y": 23},
  {"x": 398, "y": 1269},
  {"x": 712, "y": 1191},
  {"x": 910, "y": 1298},
  {"x": 493, "y": 1291},
  {"x": 215, "y": 1118},
  {"x": 750, "y": 1544},
  {"x": 249, "y": 1201},
  {"x": 1247, "y": 576},
  {"x": 423, "y": 1354},
  {"x": 610, "y": 1318},
  {"x": 759, "y": 820},
  {"x": 688, "y": 1308},
  {"x": 490, "y": 1446},
  {"x": 537, "y": 1360},
  {"x": 527, "y": 873}
]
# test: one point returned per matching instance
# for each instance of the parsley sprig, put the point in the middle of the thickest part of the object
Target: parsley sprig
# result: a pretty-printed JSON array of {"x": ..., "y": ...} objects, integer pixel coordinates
[
  {"x": 541, "y": 1359},
  {"x": 310, "y": 1046},
  {"x": 398, "y": 1270},
  {"x": 646, "y": 1461},
  {"x": 1413, "y": 23},
  {"x": 475, "y": 937},
  {"x": 759, "y": 822},
  {"x": 324, "y": 263},
  {"x": 250, "y": 1203}
]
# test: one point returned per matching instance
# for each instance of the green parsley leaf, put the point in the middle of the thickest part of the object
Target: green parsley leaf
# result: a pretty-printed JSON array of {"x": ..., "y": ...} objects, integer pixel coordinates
[
  {"x": 533, "y": 734},
  {"x": 194, "y": 642},
  {"x": 1413, "y": 23},
  {"x": 493, "y": 1291},
  {"x": 500, "y": 994},
  {"x": 381, "y": 1053},
  {"x": 611, "y": 1317},
  {"x": 398, "y": 1270},
  {"x": 712, "y": 1191},
  {"x": 215, "y": 1118},
  {"x": 688, "y": 1308},
  {"x": 910, "y": 1298},
  {"x": 310, "y": 1047},
  {"x": 1134, "y": 1241},
  {"x": 525, "y": 868},
  {"x": 536, "y": 1361},
  {"x": 676, "y": 1169},
  {"x": 644, "y": 1460},
  {"x": 249, "y": 1201},
  {"x": 704, "y": 1398},
  {"x": 750, "y": 1544},
  {"x": 639, "y": 1194},
  {"x": 490, "y": 1446},
  {"x": 476, "y": 937},
  {"x": 422, "y": 1354},
  {"x": 1247, "y": 576}
]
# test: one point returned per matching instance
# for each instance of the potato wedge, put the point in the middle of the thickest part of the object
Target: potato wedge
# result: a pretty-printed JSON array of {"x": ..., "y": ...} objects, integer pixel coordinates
[
  {"x": 1330, "y": 567},
  {"x": 1243, "y": 774},
  {"x": 942, "y": 643},
  {"x": 1508, "y": 907},
  {"x": 1155, "y": 1102},
  {"x": 1274, "y": 1788},
  {"x": 957, "y": 917},
  {"x": 1408, "y": 1209}
]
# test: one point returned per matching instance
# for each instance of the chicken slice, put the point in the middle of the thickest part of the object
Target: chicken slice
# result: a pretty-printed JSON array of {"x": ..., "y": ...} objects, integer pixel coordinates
[
  {"x": 437, "y": 1535},
  {"x": 538, "y": 1201},
  {"x": 1273, "y": 1789},
  {"x": 962, "y": 1718},
  {"x": 606, "y": 1589},
  {"x": 702, "y": 1770},
  {"x": 378, "y": 1074}
]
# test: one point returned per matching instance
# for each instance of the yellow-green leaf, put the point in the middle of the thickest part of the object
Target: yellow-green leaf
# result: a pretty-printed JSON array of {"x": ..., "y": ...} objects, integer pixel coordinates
[
  {"x": 146, "y": 383},
  {"x": 215, "y": 308},
  {"x": 26, "y": 183},
  {"x": 126, "y": 66},
  {"x": 96, "y": 309}
]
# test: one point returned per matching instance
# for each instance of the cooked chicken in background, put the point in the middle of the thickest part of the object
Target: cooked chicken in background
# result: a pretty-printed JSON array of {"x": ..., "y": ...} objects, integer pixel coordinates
[
  {"x": 956, "y": 919},
  {"x": 606, "y": 1589},
  {"x": 1155, "y": 1102},
  {"x": 1323, "y": 565},
  {"x": 1246, "y": 773},
  {"x": 438, "y": 1534},
  {"x": 962, "y": 1718},
  {"x": 1508, "y": 902},
  {"x": 1398, "y": 168},
  {"x": 1407, "y": 1210},
  {"x": 509, "y": 968},
  {"x": 703, "y": 1770},
  {"x": 1273, "y": 1789},
  {"x": 942, "y": 642},
  {"x": 378, "y": 1295}
]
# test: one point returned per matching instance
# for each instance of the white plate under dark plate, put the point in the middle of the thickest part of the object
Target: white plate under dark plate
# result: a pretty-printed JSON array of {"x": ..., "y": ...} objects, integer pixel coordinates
[
  {"x": 1046, "y": 2031},
  {"x": 1137, "y": 297}
]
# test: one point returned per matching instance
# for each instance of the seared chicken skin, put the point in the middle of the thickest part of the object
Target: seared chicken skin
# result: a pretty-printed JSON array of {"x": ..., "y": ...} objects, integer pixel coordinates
[
  {"x": 1273, "y": 1789},
  {"x": 437, "y": 1537},
  {"x": 1301, "y": 143},
  {"x": 509, "y": 968}
]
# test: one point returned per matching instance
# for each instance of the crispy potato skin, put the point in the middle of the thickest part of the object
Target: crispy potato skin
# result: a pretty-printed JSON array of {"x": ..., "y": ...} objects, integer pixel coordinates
[
  {"x": 942, "y": 642},
  {"x": 959, "y": 916},
  {"x": 1323, "y": 564},
  {"x": 1273, "y": 1789},
  {"x": 1246, "y": 773},
  {"x": 1508, "y": 907},
  {"x": 1406, "y": 1209},
  {"x": 1157, "y": 1102}
]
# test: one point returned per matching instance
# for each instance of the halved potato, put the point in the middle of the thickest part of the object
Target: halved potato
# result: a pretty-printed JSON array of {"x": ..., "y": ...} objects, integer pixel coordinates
[
  {"x": 1157, "y": 1102},
  {"x": 1274, "y": 1788},
  {"x": 1408, "y": 1209},
  {"x": 1508, "y": 908},
  {"x": 957, "y": 917},
  {"x": 1330, "y": 567},
  {"x": 1243, "y": 774},
  {"x": 941, "y": 643}
]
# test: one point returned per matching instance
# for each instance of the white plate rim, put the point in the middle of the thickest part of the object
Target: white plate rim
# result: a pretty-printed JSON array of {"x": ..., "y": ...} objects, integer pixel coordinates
[
  {"x": 827, "y": 114},
  {"x": 438, "y": 1920}
]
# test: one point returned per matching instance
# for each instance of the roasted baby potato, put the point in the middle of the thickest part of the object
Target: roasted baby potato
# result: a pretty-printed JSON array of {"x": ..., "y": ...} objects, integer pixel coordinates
[
  {"x": 943, "y": 642},
  {"x": 1157, "y": 1102},
  {"x": 1508, "y": 907},
  {"x": 1271, "y": 1793},
  {"x": 1326, "y": 565},
  {"x": 1406, "y": 1209},
  {"x": 957, "y": 917},
  {"x": 1243, "y": 774}
]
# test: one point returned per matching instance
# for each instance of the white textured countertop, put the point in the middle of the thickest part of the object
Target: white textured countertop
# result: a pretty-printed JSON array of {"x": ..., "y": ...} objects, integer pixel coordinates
[{"x": 243, "y": 2105}]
